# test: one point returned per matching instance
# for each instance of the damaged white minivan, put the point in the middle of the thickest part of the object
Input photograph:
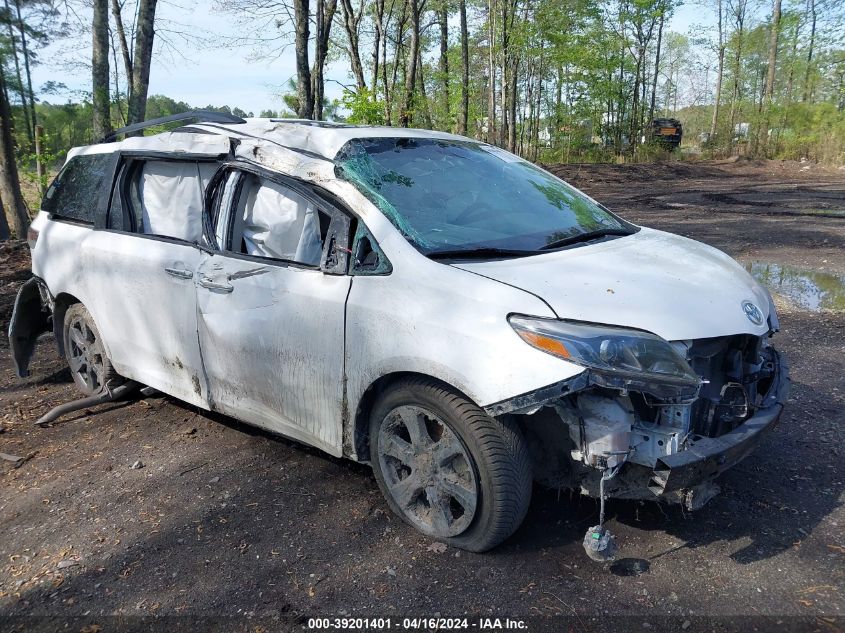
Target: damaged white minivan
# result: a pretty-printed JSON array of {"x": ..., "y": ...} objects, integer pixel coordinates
[{"x": 455, "y": 316}]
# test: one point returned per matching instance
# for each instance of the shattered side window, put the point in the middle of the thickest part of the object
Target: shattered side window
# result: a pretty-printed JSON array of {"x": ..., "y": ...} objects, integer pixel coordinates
[{"x": 77, "y": 190}]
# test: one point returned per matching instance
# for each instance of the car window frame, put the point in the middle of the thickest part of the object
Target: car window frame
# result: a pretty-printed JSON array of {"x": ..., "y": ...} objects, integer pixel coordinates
[
  {"x": 121, "y": 182},
  {"x": 342, "y": 221}
]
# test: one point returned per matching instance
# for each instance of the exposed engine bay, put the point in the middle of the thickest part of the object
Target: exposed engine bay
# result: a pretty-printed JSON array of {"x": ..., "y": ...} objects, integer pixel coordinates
[{"x": 636, "y": 433}]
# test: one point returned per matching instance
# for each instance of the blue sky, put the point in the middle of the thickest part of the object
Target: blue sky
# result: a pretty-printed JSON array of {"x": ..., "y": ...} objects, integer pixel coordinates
[{"x": 211, "y": 74}]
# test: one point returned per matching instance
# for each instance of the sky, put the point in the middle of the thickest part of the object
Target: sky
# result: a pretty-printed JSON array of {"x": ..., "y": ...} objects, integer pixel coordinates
[{"x": 214, "y": 70}]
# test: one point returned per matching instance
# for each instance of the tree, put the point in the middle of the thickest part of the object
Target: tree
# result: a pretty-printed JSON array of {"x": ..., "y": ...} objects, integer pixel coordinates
[
  {"x": 324, "y": 18},
  {"x": 464, "y": 111},
  {"x": 416, "y": 7},
  {"x": 144, "y": 36},
  {"x": 17, "y": 217},
  {"x": 721, "y": 69},
  {"x": 303, "y": 70},
  {"x": 352, "y": 25},
  {"x": 811, "y": 8},
  {"x": 100, "y": 69}
]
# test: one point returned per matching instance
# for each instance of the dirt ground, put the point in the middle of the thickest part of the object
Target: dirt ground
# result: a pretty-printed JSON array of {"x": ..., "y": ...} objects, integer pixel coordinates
[{"x": 222, "y": 520}]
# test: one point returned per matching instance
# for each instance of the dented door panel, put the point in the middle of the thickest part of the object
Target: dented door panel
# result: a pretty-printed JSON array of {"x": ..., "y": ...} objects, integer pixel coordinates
[
  {"x": 272, "y": 344},
  {"x": 140, "y": 292}
]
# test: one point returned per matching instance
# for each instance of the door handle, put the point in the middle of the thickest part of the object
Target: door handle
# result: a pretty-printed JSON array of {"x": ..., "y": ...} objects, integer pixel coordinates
[
  {"x": 207, "y": 282},
  {"x": 181, "y": 273}
]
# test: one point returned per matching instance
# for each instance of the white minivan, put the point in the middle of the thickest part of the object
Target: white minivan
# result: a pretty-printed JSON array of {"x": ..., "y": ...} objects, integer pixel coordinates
[{"x": 453, "y": 315}]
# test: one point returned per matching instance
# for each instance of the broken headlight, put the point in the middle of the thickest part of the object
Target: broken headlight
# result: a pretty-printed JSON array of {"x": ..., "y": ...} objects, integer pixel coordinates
[{"x": 615, "y": 350}]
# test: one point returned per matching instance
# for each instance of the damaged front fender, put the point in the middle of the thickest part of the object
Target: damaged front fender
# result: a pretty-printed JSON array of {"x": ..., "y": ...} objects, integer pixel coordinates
[{"x": 527, "y": 402}]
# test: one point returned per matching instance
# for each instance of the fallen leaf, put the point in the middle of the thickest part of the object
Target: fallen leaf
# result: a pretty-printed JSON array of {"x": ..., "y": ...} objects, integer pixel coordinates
[{"x": 437, "y": 547}]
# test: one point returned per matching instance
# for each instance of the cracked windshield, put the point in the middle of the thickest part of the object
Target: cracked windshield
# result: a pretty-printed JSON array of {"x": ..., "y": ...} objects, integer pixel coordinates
[{"x": 451, "y": 197}]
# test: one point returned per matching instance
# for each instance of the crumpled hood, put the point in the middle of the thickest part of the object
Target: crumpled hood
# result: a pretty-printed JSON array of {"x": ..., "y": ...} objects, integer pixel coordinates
[{"x": 672, "y": 286}]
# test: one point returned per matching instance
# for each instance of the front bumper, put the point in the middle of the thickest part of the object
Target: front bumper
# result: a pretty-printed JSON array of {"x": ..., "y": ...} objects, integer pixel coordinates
[{"x": 706, "y": 458}]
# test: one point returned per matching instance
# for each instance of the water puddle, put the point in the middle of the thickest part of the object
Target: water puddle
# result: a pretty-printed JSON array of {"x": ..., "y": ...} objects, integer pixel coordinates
[
  {"x": 809, "y": 289},
  {"x": 627, "y": 567}
]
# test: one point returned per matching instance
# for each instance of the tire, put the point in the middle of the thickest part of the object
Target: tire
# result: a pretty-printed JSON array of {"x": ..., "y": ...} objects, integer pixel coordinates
[
  {"x": 89, "y": 364},
  {"x": 446, "y": 467}
]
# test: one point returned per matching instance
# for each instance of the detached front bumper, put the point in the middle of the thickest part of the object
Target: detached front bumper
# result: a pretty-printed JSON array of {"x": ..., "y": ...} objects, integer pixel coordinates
[{"x": 706, "y": 458}]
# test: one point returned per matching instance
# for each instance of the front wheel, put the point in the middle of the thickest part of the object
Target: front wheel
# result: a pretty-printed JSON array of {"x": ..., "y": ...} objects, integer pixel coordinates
[{"x": 446, "y": 467}]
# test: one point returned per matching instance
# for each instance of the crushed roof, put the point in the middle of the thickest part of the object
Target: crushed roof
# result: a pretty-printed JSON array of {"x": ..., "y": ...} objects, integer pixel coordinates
[{"x": 316, "y": 137}]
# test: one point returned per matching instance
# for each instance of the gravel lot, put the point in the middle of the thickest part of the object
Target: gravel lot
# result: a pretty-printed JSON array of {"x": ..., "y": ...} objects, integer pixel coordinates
[{"x": 223, "y": 520}]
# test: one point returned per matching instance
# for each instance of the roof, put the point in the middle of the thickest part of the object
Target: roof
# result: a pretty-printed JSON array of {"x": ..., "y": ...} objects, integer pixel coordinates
[
  {"x": 316, "y": 137},
  {"x": 310, "y": 139}
]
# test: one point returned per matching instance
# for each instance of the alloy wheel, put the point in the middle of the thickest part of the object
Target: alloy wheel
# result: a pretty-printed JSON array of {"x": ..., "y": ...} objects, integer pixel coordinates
[
  {"x": 86, "y": 354},
  {"x": 428, "y": 471}
]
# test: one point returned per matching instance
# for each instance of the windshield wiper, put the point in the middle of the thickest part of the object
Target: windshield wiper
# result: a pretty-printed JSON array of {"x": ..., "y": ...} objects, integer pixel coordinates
[
  {"x": 585, "y": 237},
  {"x": 478, "y": 253}
]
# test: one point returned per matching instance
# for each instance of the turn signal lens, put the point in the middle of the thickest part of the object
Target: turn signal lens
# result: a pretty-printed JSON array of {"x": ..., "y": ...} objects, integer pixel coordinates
[{"x": 550, "y": 345}]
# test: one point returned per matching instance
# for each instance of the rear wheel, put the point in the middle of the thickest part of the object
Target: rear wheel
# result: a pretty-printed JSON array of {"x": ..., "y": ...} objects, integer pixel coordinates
[
  {"x": 448, "y": 468},
  {"x": 90, "y": 367}
]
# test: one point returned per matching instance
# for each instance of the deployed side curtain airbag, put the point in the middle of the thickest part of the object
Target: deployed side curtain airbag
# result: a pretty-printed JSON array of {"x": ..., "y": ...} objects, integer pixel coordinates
[
  {"x": 279, "y": 223},
  {"x": 172, "y": 194}
]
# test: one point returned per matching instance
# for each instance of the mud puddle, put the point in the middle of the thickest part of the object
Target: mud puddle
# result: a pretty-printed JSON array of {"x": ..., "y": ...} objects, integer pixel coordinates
[{"x": 809, "y": 289}]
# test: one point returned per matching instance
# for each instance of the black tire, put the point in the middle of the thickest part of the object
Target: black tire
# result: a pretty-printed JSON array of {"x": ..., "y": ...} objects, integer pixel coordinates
[
  {"x": 89, "y": 364},
  {"x": 496, "y": 452}
]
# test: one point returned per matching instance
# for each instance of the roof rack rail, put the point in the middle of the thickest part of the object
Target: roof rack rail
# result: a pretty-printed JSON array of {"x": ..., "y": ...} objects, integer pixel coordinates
[{"x": 206, "y": 116}]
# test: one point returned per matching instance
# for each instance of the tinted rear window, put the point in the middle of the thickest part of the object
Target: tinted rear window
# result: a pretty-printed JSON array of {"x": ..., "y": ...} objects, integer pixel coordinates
[{"x": 78, "y": 189}]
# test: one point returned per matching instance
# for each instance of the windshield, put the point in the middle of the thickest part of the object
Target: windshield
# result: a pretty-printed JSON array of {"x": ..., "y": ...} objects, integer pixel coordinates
[{"x": 446, "y": 196}]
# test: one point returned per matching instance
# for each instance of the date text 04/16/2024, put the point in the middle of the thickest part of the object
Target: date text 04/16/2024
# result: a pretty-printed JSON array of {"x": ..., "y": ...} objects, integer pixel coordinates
[{"x": 410, "y": 624}]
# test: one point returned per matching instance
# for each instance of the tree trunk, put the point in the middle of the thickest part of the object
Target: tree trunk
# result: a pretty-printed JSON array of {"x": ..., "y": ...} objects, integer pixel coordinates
[
  {"x": 411, "y": 73},
  {"x": 443, "y": 17},
  {"x": 100, "y": 70},
  {"x": 790, "y": 81},
  {"x": 464, "y": 114},
  {"x": 656, "y": 66},
  {"x": 426, "y": 110},
  {"x": 304, "y": 95},
  {"x": 512, "y": 98},
  {"x": 4, "y": 224},
  {"x": 770, "y": 74},
  {"x": 388, "y": 95},
  {"x": 317, "y": 69},
  {"x": 21, "y": 88},
  {"x": 116, "y": 76},
  {"x": 351, "y": 22},
  {"x": 121, "y": 36},
  {"x": 715, "y": 120},
  {"x": 144, "y": 36},
  {"x": 740, "y": 21},
  {"x": 808, "y": 71},
  {"x": 773, "y": 52},
  {"x": 25, "y": 50},
  {"x": 378, "y": 38},
  {"x": 503, "y": 126},
  {"x": 324, "y": 18},
  {"x": 14, "y": 207},
  {"x": 491, "y": 69},
  {"x": 397, "y": 50}
]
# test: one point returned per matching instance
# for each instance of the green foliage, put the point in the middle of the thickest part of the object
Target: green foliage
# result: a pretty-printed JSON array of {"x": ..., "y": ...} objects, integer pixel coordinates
[{"x": 363, "y": 107}]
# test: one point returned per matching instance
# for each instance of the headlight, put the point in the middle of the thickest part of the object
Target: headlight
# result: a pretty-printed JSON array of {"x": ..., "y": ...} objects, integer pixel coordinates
[{"x": 610, "y": 349}]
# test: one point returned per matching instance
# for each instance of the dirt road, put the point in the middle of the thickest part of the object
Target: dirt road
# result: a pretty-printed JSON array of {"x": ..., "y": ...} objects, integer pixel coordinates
[{"x": 223, "y": 520}]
